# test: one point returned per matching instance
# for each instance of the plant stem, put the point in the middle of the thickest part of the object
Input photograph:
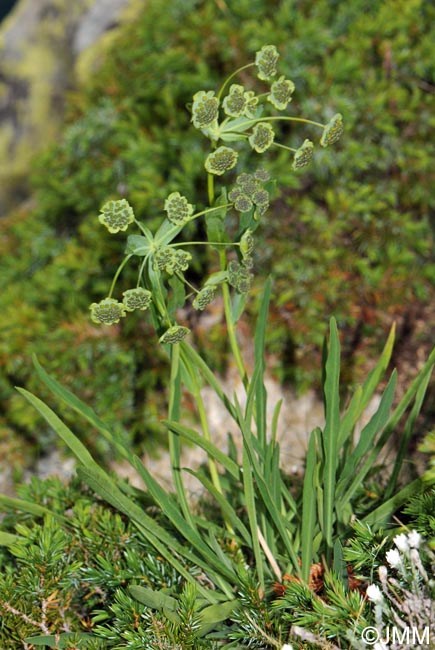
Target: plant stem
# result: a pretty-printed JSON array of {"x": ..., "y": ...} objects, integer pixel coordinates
[
  {"x": 231, "y": 330},
  {"x": 118, "y": 273},
  {"x": 234, "y": 74},
  {"x": 174, "y": 441},
  {"x": 227, "y": 301}
]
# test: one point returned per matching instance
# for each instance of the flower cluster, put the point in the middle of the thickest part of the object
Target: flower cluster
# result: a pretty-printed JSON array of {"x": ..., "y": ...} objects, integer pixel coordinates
[
  {"x": 239, "y": 275},
  {"x": 174, "y": 334},
  {"x": 107, "y": 312},
  {"x": 116, "y": 215},
  {"x": 240, "y": 102},
  {"x": 281, "y": 92},
  {"x": 204, "y": 109},
  {"x": 246, "y": 118},
  {"x": 266, "y": 60},
  {"x": 171, "y": 260},
  {"x": 404, "y": 597},
  {"x": 332, "y": 131},
  {"x": 204, "y": 297},
  {"x": 303, "y": 155},
  {"x": 138, "y": 298},
  {"x": 262, "y": 137},
  {"x": 248, "y": 191},
  {"x": 178, "y": 208},
  {"x": 220, "y": 161}
]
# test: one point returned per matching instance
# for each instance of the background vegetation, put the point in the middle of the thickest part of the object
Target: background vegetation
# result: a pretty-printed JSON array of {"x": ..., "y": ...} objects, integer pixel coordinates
[{"x": 353, "y": 236}]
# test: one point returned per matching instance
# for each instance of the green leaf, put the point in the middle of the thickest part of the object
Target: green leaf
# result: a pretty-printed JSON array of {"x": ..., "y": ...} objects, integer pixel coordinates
[
  {"x": 364, "y": 393},
  {"x": 407, "y": 434},
  {"x": 11, "y": 503},
  {"x": 201, "y": 442},
  {"x": 331, "y": 431},
  {"x": 6, "y": 539},
  {"x": 309, "y": 510},
  {"x": 154, "y": 599},
  {"x": 216, "y": 614},
  {"x": 81, "y": 408},
  {"x": 60, "y": 428},
  {"x": 177, "y": 296},
  {"x": 381, "y": 515},
  {"x": 238, "y": 303},
  {"x": 228, "y": 512},
  {"x": 138, "y": 245},
  {"x": 365, "y": 443},
  {"x": 165, "y": 543},
  {"x": 167, "y": 233}
]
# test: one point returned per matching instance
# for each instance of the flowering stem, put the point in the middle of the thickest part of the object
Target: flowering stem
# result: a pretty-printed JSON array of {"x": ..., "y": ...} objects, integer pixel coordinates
[
  {"x": 118, "y": 273},
  {"x": 210, "y": 188},
  {"x": 278, "y": 118},
  {"x": 174, "y": 441},
  {"x": 227, "y": 300},
  {"x": 232, "y": 75},
  {"x": 230, "y": 325},
  {"x": 283, "y": 146}
]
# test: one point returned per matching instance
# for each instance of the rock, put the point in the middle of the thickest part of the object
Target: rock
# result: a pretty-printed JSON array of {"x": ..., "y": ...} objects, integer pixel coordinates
[{"x": 40, "y": 48}]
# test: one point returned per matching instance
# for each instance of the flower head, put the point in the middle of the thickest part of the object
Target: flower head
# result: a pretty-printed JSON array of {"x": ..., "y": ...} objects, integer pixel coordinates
[
  {"x": 281, "y": 92},
  {"x": 243, "y": 203},
  {"x": 401, "y": 542},
  {"x": 220, "y": 161},
  {"x": 178, "y": 208},
  {"x": 204, "y": 297},
  {"x": 262, "y": 175},
  {"x": 138, "y": 298},
  {"x": 174, "y": 334},
  {"x": 393, "y": 558},
  {"x": 239, "y": 276},
  {"x": 374, "y": 594},
  {"x": 262, "y": 137},
  {"x": 303, "y": 155},
  {"x": 261, "y": 197},
  {"x": 205, "y": 109},
  {"x": 266, "y": 60},
  {"x": 247, "y": 183},
  {"x": 116, "y": 215},
  {"x": 414, "y": 539},
  {"x": 235, "y": 102},
  {"x": 107, "y": 312},
  {"x": 332, "y": 131},
  {"x": 170, "y": 259}
]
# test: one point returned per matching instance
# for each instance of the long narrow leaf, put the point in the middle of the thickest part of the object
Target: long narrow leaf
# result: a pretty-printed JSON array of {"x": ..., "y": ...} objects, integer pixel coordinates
[
  {"x": 212, "y": 450},
  {"x": 378, "y": 517},
  {"x": 12, "y": 503},
  {"x": 84, "y": 410},
  {"x": 227, "y": 510},
  {"x": 77, "y": 447},
  {"x": 366, "y": 441},
  {"x": 164, "y": 542},
  {"x": 409, "y": 428},
  {"x": 309, "y": 510},
  {"x": 174, "y": 410},
  {"x": 331, "y": 430},
  {"x": 248, "y": 490},
  {"x": 392, "y": 423},
  {"x": 186, "y": 528},
  {"x": 364, "y": 394}
]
